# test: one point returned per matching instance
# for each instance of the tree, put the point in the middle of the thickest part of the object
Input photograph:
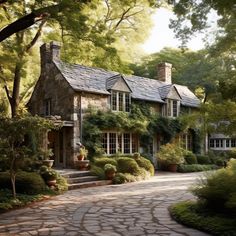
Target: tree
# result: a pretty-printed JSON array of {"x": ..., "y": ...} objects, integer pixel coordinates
[
  {"x": 13, "y": 145},
  {"x": 96, "y": 26},
  {"x": 192, "y": 16}
]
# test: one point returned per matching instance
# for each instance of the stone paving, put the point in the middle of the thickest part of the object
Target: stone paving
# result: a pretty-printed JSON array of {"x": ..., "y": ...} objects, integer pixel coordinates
[{"x": 116, "y": 210}]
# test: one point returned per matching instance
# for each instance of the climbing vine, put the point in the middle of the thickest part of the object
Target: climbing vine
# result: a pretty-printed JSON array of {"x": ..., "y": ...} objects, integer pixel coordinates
[{"x": 140, "y": 121}]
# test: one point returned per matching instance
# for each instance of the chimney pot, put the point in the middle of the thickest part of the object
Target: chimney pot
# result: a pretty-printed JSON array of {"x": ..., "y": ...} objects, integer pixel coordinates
[{"x": 55, "y": 50}]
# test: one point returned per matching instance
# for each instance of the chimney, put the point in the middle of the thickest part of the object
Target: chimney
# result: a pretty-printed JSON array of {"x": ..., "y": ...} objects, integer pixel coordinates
[
  {"x": 55, "y": 50},
  {"x": 164, "y": 72},
  {"x": 49, "y": 52}
]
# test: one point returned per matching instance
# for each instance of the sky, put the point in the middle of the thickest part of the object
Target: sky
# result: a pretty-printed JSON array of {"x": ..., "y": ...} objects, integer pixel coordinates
[{"x": 161, "y": 36}]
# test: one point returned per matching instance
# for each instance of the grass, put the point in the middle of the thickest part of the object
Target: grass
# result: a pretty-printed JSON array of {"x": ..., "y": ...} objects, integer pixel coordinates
[{"x": 196, "y": 215}]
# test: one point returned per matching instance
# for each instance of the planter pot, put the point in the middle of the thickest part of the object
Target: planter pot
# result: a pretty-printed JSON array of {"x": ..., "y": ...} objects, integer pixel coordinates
[
  {"x": 110, "y": 175},
  {"x": 51, "y": 182},
  {"x": 83, "y": 164},
  {"x": 172, "y": 167},
  {"x": 48, "y": 163},
  {"x": 80, "y": 157}
]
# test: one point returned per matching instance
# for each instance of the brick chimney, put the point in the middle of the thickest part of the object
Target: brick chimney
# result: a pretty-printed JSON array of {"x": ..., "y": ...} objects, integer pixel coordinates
[
  {"x": 49, "y": 52},
  {"x": 164, "y": 72}
]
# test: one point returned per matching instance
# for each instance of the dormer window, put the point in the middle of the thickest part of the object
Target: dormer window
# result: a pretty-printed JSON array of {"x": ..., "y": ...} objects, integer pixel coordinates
[
  {"x": 120, "y": 101},
  {"x": 172, "y": 108}
]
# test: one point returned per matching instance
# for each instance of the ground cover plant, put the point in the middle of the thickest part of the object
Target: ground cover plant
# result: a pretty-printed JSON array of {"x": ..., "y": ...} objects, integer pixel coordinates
[{"x": 215, "y": 209}]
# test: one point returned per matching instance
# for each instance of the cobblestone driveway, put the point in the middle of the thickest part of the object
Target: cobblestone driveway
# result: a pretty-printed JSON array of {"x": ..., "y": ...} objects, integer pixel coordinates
[{"x": 126, "y": 210}]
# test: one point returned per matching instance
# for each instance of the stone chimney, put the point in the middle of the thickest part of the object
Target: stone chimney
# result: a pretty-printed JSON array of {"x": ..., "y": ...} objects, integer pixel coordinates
[
  {"x": 164, "y": 72},
  {"x": 49, "y": 52}
]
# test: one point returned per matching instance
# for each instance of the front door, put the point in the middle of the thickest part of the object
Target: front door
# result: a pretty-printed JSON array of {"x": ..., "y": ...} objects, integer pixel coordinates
[{"x": 57, "y": 144}]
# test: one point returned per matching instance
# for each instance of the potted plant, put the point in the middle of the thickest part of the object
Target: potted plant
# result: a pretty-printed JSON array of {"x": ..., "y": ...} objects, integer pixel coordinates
[
  {"x": 46, "y": 155},
  {"x": 110, "y": 171},
  {"x": 49, "y": 175},
  {"x": 83, "y": 153},
  {"x": 171, "y": 155}
]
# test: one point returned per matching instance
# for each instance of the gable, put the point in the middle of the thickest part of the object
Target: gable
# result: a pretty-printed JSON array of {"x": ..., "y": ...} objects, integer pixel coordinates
[
  {"x": 117, "y": 83},
  {"x": 173, "y": 94}
]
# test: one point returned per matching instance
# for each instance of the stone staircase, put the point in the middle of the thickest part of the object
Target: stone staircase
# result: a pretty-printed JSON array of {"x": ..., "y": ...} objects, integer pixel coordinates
[{"x": 81, "y": 179}]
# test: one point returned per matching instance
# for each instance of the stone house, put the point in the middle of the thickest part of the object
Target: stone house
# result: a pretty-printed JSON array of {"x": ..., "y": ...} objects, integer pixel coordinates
[{"x": 64, "y": 92}]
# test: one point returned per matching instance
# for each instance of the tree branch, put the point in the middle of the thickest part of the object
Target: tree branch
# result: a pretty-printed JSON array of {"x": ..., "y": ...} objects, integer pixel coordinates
[
  {"x": 37, "y": 35},
  {"x": 27, "y": 21},
  {"x": 8, "y": 94}
]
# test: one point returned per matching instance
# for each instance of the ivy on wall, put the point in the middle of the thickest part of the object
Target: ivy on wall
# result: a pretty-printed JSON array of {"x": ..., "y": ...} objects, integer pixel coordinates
[{"x": 140, "y": 121}]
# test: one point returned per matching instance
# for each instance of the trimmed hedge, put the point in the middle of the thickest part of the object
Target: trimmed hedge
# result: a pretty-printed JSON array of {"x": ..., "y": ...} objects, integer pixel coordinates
[
  {"x": 26, "y": 182},
  {"x": 146, "y": 164},
  {"x": 197, "y": 216},
  {"x": 201, "y": 159},
  {"x": 127, "y": 165},
  {"x": 190, "y": 158},
  {"x": 102, "y": 161},
  {"x": 98, "y": 171},
  {"x": 195, "y": 168}
]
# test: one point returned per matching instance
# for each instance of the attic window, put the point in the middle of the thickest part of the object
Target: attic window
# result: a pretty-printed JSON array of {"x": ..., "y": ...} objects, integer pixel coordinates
[{"x": 120, "y": 101}]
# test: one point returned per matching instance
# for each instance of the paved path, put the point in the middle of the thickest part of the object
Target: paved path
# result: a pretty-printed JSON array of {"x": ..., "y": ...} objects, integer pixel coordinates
[{"x": 119, "y": 210}]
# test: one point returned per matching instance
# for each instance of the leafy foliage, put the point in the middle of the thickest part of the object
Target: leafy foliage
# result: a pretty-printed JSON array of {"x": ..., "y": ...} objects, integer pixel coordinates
[
  {"x": 171, "y": 153},
  {"x": 218, "y": 189},
  {"x": 190, "y": 158},
  {"x": 197, "y": 216},
  {"x": 195, "y": 168},
  {"x": 146, "y": 164}
]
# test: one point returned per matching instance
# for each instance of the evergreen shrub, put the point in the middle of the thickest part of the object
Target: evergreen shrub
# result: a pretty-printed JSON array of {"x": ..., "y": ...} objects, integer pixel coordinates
[
  {"x": 26, "y": 182},
  {"x": 146, "y": 164},
  {"x": 190, "y": 158},
  {"x": 102, "y": 161},
  {"x": 195, "y": 168},
  {"x": 203, "y": 159},
  {"x": 218, "y": 190},
  {"x": 127, "y": 165}
]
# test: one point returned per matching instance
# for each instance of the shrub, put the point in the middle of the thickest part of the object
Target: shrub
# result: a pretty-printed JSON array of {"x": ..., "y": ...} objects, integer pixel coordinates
[
  {"x": 122, "y": 178},
  {"x": 26, "y": 182},
  {"x": 61, "y": 185},
  {"x": 218, "y": 190},
  {"x": 97, "y": 171},
  {"x": 190, "y": 158},
  {"x": 231, "y": 153},
  {"x": 109, "y": 167},
  {"x": 127, "y": 165},
  {"x": 201, "y": 159},
  {"x": 146, "y": 164},
  {"x": 171, "y": 154},
  {"x": 195, "y": 168},
  {"x": 48, "y": 173},
  {"x": 102, "y": 161},
  {"x": 197, "y": 216}
]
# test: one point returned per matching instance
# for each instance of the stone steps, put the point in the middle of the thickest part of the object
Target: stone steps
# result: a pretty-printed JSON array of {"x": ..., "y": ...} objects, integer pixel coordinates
[{"x": 81, "y": 179}]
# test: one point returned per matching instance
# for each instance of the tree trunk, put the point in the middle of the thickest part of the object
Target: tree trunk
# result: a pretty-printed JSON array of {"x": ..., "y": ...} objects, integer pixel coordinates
[
  {"x": 13, "y": 183},
  {"x": 16, "y": 90}
]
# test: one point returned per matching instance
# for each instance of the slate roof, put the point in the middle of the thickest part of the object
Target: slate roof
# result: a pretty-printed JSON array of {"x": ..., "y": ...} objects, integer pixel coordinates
[{"x": 96, "y": 80}]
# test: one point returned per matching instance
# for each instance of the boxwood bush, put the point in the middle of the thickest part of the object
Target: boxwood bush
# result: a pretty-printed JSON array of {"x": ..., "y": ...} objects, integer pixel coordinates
[
  {"x": 146, "y": 164},
  {"x": 203, "y": 159},
  {"x": 190, "y": 158},
  {"x": 26, "y": 182},
  {"x": 102, "y": 161},
  {"x": 195, "y": 168},
  {"x": 127, "y": 165}
]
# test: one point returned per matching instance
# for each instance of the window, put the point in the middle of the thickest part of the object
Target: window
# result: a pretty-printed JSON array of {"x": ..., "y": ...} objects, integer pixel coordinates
[
  {"x": 233, "y": 142},
  {"x": 120, "y": 101},
  {"x": 115, "y": 142},
  {"x": 47, "y": 107},
  {"x": 187, "y": 141},
  {"x": 227, "y": 143},
  {"x": 172, "y": 108},
  {"x": 222, "y": 143},
  {"x": 212, "y": 143}
]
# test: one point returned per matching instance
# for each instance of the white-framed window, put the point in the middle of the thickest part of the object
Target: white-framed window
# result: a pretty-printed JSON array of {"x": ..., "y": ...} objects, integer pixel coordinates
[
  {"x": 172, "y": 108},
  {"x": 222, "y": 143},
  {"x": 187, "y": 141},
  {"x": 120, "y": 101},
  {"x": 126, "y": 143}
]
